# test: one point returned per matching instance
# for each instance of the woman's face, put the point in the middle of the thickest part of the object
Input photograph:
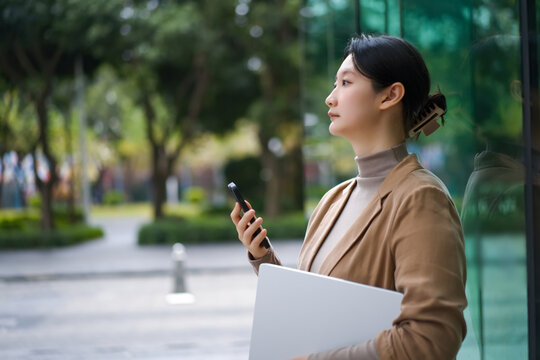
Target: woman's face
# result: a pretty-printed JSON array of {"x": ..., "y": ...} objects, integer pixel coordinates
[{"x": 352, "y": 104}]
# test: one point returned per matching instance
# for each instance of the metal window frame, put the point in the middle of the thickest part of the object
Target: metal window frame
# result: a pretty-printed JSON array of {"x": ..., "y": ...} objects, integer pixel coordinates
[{"x": 531, "y": 130}]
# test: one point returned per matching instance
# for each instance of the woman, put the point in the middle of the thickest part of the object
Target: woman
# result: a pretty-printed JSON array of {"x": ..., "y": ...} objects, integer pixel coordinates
[{"x": 395, "y": 225}]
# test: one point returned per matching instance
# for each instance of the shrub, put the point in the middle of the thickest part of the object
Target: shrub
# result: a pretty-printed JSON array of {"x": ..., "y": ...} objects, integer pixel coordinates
[
  {"x": 63, "y": 216},
  {"x": 61, "y": 211},
  {"x": 21, "y": 229},
  {"x": 34, "y": 201},
  {"x": 35, "y": 238},
  {"x": 17, "y": 220},
  {"x": 221, "y": 210},
  {"x": 206, "y": 229},
  {"x": 195, "y": 195},
  {"x": 113, "y": 197}
]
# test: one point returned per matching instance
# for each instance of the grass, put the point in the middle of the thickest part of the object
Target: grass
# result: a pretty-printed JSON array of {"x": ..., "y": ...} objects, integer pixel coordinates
[
  {"x": 123, "y": 210},
  {"x": 144, "y": 210}
]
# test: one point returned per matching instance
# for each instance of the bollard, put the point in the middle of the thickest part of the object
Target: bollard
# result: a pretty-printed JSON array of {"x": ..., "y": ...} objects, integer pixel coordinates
[
  {"x": 179, "y": 295},
  {"x": 179, "y": 256}
]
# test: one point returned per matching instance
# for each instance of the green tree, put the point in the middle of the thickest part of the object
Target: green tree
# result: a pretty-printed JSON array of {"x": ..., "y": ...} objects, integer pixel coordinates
[
  {"x": 189, "y": 72},
  {"x": 270, "y": 32},
  {"x": 40, "y": 42},
  {"x": 63, "y": 99},
  {"x": 117, "y": 121}
]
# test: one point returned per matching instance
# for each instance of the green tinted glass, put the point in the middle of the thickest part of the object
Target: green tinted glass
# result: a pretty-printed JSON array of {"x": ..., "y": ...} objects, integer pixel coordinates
[{"x": 472, "y": 51}]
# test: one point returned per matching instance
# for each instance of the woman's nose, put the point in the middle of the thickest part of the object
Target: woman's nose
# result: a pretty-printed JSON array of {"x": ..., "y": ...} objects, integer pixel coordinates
[{"x": 330, "y": 99}]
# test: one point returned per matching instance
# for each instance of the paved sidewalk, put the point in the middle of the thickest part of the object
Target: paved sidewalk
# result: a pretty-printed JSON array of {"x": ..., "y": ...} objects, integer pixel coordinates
[
  {"x": 120, "y": 309},
  {"x": 117, "y": 254},
  {"x": 127, "y": 318}
]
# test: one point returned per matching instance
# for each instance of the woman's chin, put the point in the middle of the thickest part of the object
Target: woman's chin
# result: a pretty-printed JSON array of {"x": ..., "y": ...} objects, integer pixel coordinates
[{"x": 334, "y": 129}]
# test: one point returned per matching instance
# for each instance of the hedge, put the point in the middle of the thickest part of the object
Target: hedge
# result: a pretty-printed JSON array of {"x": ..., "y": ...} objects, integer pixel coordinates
[
  {"x": 17, "y": 221},
  {"x": 35, "y": 238},
  {"x": 211, "y": 229},
  {"x": 29, "y": 218}
]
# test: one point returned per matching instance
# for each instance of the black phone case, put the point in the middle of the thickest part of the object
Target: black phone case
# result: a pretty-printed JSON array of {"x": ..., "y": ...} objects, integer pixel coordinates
[{"x": 240, "y": 199}]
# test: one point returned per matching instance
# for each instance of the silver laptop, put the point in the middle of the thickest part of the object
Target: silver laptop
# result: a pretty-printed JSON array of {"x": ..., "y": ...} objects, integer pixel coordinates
[{"x": 298, "y": 313}]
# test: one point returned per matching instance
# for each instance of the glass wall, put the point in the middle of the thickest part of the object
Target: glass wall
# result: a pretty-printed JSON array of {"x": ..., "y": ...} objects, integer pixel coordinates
[{"x": 472, "y": 50}]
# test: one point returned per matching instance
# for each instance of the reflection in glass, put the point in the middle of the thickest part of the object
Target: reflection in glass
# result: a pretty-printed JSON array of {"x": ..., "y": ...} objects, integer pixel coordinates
[{"x": 472, "y": 50}]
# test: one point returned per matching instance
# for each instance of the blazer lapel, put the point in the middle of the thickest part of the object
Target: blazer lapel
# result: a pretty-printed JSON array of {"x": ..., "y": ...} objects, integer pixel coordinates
[
  {"x": 360, "y": 225},
  {"x": 328, "y": 220},
  {"x": 353, "y": 234}
]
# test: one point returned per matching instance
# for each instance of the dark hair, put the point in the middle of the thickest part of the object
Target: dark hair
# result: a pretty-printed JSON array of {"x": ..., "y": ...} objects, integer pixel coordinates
[{"x": 388, "y": 59}]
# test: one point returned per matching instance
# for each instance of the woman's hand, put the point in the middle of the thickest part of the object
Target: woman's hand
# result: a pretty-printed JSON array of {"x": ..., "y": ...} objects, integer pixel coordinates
[
  {"x": 305, "y": 357},
  {"x": 246, "y": 231}
]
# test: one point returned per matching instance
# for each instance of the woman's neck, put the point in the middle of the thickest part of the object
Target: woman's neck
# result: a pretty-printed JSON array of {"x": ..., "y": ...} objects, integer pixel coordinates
[
  {"x": 384, "y": 135},
  {"x": 379, "y": 164},
  {"x": 367, "y": 148}
]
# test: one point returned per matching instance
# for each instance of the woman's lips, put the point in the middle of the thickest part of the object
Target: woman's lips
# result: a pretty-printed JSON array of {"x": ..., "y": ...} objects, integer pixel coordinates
[{"x": 332, "y": 115}]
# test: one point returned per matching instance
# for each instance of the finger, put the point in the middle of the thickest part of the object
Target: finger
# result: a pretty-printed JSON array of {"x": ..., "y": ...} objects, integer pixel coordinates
[
  {"x": 257, "y": 240},
  {"x": 248, "y": 204},
  {"x": 235, "y": 213},
  {"x": 243, "y": 223},
  {"x": 248, "y": 234}
]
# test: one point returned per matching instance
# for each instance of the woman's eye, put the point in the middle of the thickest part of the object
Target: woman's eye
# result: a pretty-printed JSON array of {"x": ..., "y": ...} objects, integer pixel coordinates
[{"x": 343, "y": 82}]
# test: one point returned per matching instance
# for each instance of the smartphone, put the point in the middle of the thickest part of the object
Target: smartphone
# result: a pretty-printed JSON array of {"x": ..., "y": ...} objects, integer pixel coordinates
[{"x": 239, "y": 198}]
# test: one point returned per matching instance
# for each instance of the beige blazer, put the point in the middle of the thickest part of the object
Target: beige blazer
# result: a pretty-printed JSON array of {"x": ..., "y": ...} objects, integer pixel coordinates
[{"x": 409, "y": 239}]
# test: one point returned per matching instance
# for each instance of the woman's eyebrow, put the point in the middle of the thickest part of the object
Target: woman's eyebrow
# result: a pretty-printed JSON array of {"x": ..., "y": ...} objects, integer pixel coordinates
[{"x": 344, "y": 72}]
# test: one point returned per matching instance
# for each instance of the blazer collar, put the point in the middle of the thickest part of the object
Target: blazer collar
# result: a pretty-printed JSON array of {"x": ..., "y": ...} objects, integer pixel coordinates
[
  {"x": 395, "y": 176},
  {"x": 360, "y": 225}
]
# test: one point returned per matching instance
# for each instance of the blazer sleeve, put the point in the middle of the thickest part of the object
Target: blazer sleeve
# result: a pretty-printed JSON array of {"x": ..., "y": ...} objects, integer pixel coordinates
[
  {"x": 364, "y": 351},
  {"x": 270, "y": 257},
  {"x": 426, "y": 239}
]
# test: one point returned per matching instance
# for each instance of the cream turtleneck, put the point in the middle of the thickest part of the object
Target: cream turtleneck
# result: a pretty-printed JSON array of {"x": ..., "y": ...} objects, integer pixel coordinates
[{"x": 372, "y": 170}]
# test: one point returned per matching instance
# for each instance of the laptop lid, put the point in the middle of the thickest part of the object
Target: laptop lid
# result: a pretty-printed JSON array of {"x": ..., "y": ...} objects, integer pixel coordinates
[{"x": 299, "y": 312}]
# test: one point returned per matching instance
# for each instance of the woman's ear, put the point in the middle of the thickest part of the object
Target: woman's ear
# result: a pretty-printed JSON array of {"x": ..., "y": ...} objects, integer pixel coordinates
[{"x": 392, "y": 95}]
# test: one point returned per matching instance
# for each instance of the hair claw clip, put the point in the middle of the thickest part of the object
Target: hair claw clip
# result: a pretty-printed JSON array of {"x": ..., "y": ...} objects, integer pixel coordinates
[{"x": 428, "y": 123}]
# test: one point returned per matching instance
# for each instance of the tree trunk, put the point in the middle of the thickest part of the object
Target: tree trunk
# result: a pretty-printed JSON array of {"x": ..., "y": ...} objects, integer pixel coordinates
[
  {"x": 45, "y": 187},
  {"x": 21, "y": 187},
  {"x": 159, "y": 179},
  {"x": 47, "y": 218},
  {"x": 271, "y": 169},
  {"x": 284, "y": 180},
  {"x": 159, "y": 193},
  {"x": 295, "y": 179},
  {"x": 45, "y": 190}
]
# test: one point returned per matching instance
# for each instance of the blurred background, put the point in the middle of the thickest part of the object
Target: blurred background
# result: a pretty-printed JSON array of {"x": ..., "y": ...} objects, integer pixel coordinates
[{"x": 121, "y": 123}]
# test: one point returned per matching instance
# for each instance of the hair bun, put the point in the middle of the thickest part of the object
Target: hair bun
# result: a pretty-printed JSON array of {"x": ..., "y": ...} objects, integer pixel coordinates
[{"x": 434, "y": 108}]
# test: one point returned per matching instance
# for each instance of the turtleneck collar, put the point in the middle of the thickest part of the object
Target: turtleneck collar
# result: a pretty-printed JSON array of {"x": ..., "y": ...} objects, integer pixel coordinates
[{"x": 380, "y": 163}]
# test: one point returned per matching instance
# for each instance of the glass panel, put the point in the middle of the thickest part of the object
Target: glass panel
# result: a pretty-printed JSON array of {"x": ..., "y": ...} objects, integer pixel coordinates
[
  {"x": 472, "y": 50},
  {"x": 477, "y": 64}
]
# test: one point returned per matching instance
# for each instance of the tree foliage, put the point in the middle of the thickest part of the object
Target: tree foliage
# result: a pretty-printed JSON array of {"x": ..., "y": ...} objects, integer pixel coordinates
[{"x": 40, "y": 42}]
